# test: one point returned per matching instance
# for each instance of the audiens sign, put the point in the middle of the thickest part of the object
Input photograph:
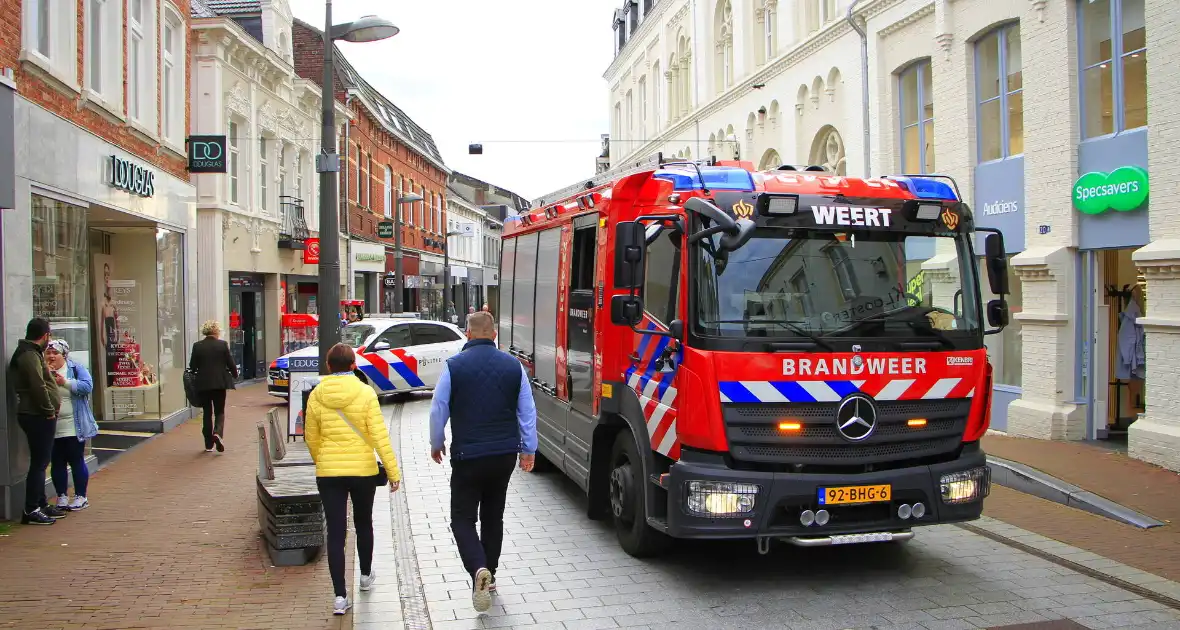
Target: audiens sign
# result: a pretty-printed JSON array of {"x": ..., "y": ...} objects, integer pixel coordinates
[{"x": 131, "y": 177}]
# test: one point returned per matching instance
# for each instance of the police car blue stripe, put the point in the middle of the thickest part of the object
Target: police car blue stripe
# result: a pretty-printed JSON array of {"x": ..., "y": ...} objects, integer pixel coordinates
[
  {"x": 377, "y": 378},
  {"x": 404, "y": 371}
]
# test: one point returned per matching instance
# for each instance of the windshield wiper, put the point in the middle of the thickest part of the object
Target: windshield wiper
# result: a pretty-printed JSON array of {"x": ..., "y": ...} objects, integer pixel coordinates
[
  {"x": 938, "y": 334},
  {"x": 912, "y": 323},
  {"x": 785, "y": 323}
]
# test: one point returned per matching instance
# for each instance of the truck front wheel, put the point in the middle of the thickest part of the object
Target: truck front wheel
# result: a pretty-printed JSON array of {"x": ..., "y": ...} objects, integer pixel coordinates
[{"x": 627, "y": 501}]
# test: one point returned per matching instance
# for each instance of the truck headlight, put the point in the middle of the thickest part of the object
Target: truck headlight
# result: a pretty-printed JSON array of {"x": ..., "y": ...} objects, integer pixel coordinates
[
  {"x": 720, "y": 498},
  {"x": 966, "y": 486}
]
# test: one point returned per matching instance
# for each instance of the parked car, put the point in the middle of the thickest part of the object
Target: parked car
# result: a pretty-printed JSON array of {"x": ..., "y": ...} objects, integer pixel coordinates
[{"x": 395, "y": 355}]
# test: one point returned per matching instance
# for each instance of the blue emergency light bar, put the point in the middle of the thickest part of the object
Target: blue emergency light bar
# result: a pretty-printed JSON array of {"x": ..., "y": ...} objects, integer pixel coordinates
[
  {"x": 716, "y": 178},
  {"x": 928, "y": 188}
]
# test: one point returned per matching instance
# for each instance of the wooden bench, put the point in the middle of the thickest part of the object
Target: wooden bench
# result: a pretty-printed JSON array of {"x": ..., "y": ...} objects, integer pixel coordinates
[{"x": 290, "y": 514}]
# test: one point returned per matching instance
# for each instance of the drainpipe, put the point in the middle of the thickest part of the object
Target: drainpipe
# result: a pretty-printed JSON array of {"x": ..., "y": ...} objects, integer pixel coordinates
[
  {"x": 350, "y": 283},
  {"x": 696, "y": 84},
  {"x": 864, "y": 84}
]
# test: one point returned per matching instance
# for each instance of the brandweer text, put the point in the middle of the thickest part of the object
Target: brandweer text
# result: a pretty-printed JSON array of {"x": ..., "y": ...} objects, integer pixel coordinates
[{"x": 835, "y": 367}]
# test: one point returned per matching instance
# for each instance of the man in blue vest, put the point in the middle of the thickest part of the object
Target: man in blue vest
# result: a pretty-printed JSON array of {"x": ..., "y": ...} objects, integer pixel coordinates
[{"x": 486, "y": 395}]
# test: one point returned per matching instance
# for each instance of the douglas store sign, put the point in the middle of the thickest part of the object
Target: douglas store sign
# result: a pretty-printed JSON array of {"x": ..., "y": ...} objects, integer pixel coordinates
[{"x": 131, "y": 177}]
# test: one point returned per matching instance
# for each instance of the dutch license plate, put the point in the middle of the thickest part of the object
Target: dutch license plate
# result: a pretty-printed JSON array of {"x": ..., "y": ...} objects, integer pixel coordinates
[
  {"x": 855, "y": 494},
  {"x": 281, "y": 382}
]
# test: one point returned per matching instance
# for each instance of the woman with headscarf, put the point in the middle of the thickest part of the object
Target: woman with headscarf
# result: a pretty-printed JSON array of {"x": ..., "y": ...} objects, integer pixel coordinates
[{"x": 75, "y": 425}]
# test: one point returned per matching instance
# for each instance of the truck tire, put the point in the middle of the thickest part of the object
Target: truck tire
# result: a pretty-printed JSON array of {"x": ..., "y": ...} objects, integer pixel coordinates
[{"x": 628, "y": 497}]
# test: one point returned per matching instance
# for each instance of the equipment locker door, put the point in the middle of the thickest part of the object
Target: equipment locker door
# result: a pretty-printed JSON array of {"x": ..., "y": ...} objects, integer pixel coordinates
[{"x": 551, "y": 412}]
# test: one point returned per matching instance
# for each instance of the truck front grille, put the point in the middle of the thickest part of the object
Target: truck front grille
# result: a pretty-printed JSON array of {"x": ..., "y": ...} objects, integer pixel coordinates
[{"x": 754, "y": 436}]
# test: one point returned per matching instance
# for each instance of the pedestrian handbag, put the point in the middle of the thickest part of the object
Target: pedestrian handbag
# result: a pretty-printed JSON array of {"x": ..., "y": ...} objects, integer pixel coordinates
[
  {"x": 379, "y": 479},
  {"x": 190, "y": 388}
]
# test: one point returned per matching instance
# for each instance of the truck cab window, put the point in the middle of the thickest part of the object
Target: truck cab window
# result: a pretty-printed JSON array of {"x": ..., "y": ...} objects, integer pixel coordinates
[{"x": 663, "y": 277}]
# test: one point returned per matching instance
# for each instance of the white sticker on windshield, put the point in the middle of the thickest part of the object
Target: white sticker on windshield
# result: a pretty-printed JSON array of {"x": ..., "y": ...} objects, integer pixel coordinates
[{"x": 845, "y": 215}]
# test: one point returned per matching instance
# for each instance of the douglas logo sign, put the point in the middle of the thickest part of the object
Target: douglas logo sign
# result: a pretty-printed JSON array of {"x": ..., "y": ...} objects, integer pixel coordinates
[
  {"x": 132, "y": 177},
  {"x": 206, "y": 154},
  {"x": 1124, "y": 189}
]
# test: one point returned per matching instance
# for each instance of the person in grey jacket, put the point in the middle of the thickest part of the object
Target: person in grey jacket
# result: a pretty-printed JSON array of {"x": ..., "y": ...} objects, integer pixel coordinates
[{"x": 37, "y": 404}]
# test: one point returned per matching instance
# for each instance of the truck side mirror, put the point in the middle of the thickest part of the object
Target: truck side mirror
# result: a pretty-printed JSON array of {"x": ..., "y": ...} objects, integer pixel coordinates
[
  {"x": 626, "y": 310},
  {"x": 630, "y": 248},
  {"x": 997, "y": 264},
  {"x": 997, "y": 314},
  {"x": 677, "y": 329}
]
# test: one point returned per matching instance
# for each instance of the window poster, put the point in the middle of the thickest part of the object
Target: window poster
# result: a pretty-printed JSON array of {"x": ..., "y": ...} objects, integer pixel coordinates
[
  {"x": 301, "y": 385},
  {"x": 122, "y": 366}
]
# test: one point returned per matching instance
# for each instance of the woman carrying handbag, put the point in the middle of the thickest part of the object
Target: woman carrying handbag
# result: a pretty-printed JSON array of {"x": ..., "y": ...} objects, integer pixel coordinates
[
  {"x": 214, "y": 372},
  {"x": 343, "y": 428}
]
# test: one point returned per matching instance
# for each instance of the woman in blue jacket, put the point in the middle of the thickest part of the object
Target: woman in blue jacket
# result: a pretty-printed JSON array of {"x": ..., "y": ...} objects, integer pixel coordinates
[{"x": 75, "y": 425}]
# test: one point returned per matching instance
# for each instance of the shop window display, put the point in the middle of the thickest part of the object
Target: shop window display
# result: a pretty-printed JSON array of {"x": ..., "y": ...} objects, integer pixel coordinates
[{"x": 61, "y": 273}]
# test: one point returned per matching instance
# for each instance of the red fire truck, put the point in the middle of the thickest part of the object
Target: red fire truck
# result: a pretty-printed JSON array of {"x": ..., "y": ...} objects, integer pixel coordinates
[{"x": 782, "y": 355}]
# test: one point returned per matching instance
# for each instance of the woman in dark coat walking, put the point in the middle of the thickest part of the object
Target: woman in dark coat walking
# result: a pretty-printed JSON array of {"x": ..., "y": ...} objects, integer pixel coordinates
[{"x": 215, "y": 372}]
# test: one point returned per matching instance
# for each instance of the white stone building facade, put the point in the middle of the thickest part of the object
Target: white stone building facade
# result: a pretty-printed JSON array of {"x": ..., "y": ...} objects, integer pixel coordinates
[
  {"x": 255, "y": 221},
  {"x": 1026, "y": 103},
  {"x": 466, "y": 251}
]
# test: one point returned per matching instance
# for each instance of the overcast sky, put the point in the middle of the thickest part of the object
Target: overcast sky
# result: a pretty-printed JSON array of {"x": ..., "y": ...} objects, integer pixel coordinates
[{"x": 491, "y": 71}]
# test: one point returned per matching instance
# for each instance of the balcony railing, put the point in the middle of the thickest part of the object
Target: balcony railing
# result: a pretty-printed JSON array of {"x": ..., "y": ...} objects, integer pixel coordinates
[{"x": 293, "y": 232}]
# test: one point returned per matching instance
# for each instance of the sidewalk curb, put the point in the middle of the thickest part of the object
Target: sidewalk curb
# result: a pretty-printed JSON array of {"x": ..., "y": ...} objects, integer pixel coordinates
[
  {"x": 1142, "y": 583},
  {"x": 1029, "y": 480}
]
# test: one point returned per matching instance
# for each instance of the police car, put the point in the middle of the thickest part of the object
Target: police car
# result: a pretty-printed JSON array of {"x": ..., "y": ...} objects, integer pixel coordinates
[{"x": 395, "y": 355}]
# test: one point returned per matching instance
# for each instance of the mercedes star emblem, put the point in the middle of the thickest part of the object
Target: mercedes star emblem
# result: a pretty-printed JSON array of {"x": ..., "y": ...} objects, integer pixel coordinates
[{"x": 856, "y": 418}]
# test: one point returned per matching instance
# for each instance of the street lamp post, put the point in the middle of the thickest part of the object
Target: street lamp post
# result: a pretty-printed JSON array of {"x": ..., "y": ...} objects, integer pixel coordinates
[
  {"x": 366, "y": 29},
  {"x": 447, "y": 271},
  {"x": 398, "y": 280}
]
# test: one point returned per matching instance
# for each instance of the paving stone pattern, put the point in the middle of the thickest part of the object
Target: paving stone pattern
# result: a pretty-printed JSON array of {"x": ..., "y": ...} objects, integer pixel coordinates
[
  {"x": 170, "y": 541},
  {"x": 561, "y": 570}
]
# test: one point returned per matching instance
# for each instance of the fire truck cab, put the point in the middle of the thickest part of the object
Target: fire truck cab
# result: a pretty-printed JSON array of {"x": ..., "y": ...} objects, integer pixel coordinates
[{"x": 722, "y": 353}]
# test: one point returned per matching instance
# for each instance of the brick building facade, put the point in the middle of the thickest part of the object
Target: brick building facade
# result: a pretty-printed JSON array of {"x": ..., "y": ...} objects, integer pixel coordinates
[
  {"x": 99, "y": 222},
  {"x": 384, "y": 154}
]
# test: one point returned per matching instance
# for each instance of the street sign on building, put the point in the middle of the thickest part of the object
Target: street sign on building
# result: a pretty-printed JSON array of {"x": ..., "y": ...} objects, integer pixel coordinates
[{"x": 385, "y": 229}]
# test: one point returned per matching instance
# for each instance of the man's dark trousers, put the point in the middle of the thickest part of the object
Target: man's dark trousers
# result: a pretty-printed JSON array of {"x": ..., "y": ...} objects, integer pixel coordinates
[
  {"x": 40, "y": 432},
  {"x": 479, "y": 486}
]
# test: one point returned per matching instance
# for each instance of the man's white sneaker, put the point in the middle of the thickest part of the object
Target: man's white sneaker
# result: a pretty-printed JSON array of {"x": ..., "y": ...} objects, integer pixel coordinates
[
  {"x": 481, "y": 596},
  {"x": 63, "y": 502},
  {"x": 79, "y": 503},
  {"x": 341, "y": 605},
  {"x": 367, "y": 580}
]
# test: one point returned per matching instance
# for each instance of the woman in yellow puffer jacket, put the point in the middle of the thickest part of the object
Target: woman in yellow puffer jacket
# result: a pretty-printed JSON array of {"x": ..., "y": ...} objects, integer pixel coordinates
[{"x": 343, "y": 427}]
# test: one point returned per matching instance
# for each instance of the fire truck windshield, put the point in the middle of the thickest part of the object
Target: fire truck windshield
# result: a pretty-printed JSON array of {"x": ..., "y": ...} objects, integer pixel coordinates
[{"x": 789, "y": 283}]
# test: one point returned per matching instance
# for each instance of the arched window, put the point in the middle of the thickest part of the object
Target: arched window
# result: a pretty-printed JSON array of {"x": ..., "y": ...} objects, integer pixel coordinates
[
  {"x": 389, "y": 192},
  {"x": 656, "y": 82},
  {"x": 1000, "y": 94},
  {"x": 724, "y": 45},
  {"x": 916, "y": 106},
  {"x": 764, "y": 24}
]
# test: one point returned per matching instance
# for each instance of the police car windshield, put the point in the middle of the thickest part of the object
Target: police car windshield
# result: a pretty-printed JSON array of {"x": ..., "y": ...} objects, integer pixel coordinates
[
  {"x": 354, "y": 335},
  {"x": 830, "y": 284}
]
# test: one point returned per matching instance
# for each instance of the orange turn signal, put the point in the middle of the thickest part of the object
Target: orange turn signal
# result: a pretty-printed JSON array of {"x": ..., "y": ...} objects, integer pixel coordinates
[
  {"x": 916, "y": 422},
  {"x": 789, "y": 426}
]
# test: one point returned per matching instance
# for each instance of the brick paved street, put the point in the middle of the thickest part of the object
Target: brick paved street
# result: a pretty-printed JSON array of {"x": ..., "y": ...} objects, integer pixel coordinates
[
  {"x": 170, "y": 541},
  {"x": 560, "y": 570},
  {"x": 1130, "y": 482}
]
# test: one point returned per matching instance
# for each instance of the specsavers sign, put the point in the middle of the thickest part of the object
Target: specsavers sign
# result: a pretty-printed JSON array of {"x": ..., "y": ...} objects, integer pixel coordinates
[{"x": 1123, "y": 189}]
